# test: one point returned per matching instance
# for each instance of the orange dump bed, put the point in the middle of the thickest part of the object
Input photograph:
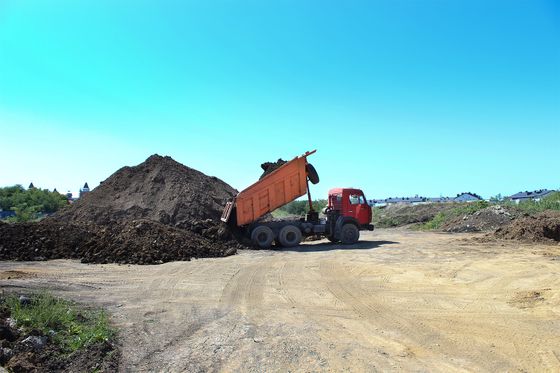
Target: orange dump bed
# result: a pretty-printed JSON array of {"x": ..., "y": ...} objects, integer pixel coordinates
[{"x": 276, "y": 189}]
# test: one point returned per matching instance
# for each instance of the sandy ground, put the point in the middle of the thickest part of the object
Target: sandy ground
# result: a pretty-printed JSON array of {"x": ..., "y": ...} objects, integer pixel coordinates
[{"x": 397, "y": 301}]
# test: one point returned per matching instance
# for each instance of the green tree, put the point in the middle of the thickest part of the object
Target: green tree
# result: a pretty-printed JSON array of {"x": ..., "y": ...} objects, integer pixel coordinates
[
  {"x": 497, "y": 198},
  {"x": 302, "y": 206},
  {"x": 28, "y": 204}
]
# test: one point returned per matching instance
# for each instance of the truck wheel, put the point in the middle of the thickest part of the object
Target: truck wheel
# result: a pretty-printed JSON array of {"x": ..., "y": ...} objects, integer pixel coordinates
[
  {"x": 332, "y": 239},
  {"x": 312, "y": 173},
  {"x": 349, "y": 234},
  {"x": 289, "y": 236},
  {"x": 262, "y": 236}
]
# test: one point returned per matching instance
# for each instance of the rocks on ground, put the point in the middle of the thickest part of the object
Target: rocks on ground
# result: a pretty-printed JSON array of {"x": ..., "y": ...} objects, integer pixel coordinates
[{"x": 34, "y": 352}]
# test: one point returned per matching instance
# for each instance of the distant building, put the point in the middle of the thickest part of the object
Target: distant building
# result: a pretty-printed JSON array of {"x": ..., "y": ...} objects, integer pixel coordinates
[
  {"x": 535, "y": 195},
  {"x": 408, "y": 200},
  {"x": 467, "y": 197},
  {"x": 377, "y": 202},
  {"x": 31, "y": 186},
  {"x": 84, "y": 190},
  {"x": 440, "y": 199},
  {"x": 416, "y": 200}
]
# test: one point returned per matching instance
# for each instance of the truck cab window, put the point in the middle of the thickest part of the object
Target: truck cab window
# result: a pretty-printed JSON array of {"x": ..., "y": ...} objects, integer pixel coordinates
[{"x": 357, "y": 199}]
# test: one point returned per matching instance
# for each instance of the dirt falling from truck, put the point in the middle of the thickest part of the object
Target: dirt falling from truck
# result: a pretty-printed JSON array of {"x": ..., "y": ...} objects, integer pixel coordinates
[
  {"x": 157, "y": 211},
  {"x": 269, "y": 167}
]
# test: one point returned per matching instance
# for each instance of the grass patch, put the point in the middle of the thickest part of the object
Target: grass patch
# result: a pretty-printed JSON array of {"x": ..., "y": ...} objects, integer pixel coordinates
[
  {"x": 279, "y": 214},
  {"x": 441, "y": 218},
  {"x": 436, "y": 222},
  {"x": 74, "y": 328},
  {"x": 383, "y": 220}
]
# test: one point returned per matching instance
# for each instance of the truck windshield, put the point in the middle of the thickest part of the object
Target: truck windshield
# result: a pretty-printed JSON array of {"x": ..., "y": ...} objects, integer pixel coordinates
[{"x": 357, "y": 199}]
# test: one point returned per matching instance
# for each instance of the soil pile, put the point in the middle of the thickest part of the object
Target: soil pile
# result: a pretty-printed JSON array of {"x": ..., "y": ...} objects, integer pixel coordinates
[
  {"x": 404, "y": 214},
  {"x": 149, "y": 242},
  {"x": 543, "y": 227},
  {"x": 486, "y": 219},
  {"x": 159, "y": 189},
  {"x": 134, "y": 242},
  {"x": 155, "y": 212},
  {"x": 41, "y": 241}
]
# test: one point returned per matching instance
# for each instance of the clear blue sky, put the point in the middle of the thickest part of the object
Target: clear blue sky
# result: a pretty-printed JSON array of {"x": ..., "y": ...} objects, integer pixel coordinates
[{"x": 399, "y": 97}]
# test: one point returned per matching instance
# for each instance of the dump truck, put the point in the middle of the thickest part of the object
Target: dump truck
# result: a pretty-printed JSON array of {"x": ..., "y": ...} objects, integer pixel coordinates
[{"x": 346, "y": 214}]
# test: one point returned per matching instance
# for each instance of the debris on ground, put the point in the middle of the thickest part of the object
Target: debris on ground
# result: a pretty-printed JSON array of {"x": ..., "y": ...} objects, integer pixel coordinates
[
  {"x": 32, "y": 350},
  {"x": 487, "y": 219},
  {"x": 155, "y": 212},
  {"x": 528, "y": 299},
  {"x": 543, "y": 227}
]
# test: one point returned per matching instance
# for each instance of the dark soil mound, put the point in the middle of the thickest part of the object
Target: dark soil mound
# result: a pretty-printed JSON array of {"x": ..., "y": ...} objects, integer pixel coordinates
[
  {"x": 159, "y": 189},
  {"x": 486, "y": 219},
  {"x": 134, "y": 241},
  {"x": 148, "y": 242},
  {"x": 155, "y": 212},
  {"x": 543, "y": 227},
  {"x": 41, "y": 241}
]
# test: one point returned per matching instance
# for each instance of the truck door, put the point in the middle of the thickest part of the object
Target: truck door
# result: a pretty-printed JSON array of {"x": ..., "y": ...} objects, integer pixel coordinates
[{"x": 359, "y": 208}]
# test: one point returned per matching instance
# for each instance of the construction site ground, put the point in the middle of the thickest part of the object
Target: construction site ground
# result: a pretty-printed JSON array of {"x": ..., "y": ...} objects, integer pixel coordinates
[{"x": 399, "y": 300}]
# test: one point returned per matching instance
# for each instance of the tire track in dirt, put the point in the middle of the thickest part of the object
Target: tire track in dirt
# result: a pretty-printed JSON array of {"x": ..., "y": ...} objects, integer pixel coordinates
[
  {"x": 244, "y": 290},
  {"x": 415, "y": 335}
]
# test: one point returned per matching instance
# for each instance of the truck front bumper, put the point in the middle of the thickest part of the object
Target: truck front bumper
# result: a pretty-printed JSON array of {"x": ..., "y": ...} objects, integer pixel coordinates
[{"x": 367, "y": 227}]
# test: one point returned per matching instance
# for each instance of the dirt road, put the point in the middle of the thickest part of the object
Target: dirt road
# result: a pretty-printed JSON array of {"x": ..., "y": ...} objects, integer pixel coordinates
[{"x": 400, "y": 300}]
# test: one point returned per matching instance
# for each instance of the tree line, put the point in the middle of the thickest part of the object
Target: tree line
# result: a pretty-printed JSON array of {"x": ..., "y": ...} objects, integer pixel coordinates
[
  {"x": 29, "y": 204},
  {"x": 301, "y": 207}
]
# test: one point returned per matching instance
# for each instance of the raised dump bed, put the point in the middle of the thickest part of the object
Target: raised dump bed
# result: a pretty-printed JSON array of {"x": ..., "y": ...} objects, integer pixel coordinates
[
  {"x": 276, "y": 189},
  {"x": 346, "y": 214}
]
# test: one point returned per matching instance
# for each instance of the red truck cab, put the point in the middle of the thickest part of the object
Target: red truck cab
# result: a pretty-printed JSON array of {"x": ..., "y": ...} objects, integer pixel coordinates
[{"x": 350, "y": 203}]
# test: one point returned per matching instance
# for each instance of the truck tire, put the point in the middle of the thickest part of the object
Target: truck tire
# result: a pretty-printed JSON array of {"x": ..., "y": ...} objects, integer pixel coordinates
[
  {"x": 332, "y": 239},
  {"x": 289, "y": 236},
  {"x": 312, "y": 173},
  {"x": 262, "y": 236},
  {"x": 349, "y": 234}
]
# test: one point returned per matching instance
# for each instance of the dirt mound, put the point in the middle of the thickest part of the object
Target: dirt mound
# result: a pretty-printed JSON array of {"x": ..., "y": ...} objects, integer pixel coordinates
[
  {"x": 155, "y": 212},
  {"x": 543, "y": 227},
  {"x": 148, "y": 242},
  {"x": 159, "y": 189},
  {"x": 404, "y": 214},
  {"x": 41, "y": 241},
  {"x": 134, "y": 241},
  {"x": 486, "y": 219}
]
